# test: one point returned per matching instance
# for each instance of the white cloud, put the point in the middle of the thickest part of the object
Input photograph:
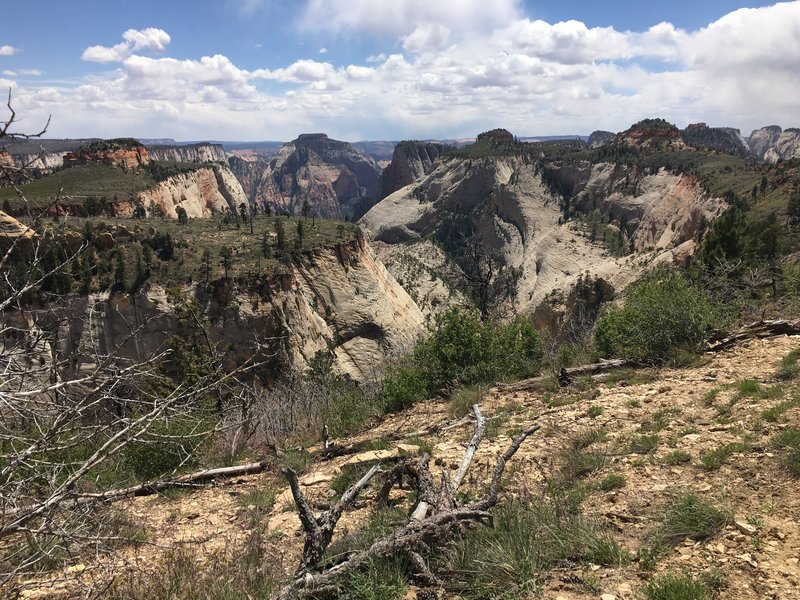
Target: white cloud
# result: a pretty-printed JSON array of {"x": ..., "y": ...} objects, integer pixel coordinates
[
  {"x": 428, "y": 37},
  {"x": 9, "y": 73},
  {"x": 444, "y": 80},
  {"x": 323, "y": 51},
  {"x": 31, "y": 72},
  {"x": 381, "y": 17},
  {"x": 8, "y": 50},
  {"x": 151, "y": 39}
]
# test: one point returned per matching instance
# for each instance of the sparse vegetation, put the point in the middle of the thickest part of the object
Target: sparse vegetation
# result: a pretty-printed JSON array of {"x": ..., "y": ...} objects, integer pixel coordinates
[
  {"x": 677, "y": 457},
  {"x": 670, "y": 586},
  {"x": 714, "y": 459},
  {"x": 689, "y": 516}
]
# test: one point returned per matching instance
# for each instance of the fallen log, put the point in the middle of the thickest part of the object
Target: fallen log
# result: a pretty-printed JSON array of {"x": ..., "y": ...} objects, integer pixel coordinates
[
  {"x": 572, "y": 372},
  {"x": 202, "y": 476},
  {"x": 758, "y": 329}
]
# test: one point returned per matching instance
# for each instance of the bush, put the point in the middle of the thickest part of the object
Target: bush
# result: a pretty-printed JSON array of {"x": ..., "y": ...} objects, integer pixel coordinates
[
  {"x": 166, "y": 447},
  {"x": 462, "y": 351},
  {"x": 662, "y": 314}
]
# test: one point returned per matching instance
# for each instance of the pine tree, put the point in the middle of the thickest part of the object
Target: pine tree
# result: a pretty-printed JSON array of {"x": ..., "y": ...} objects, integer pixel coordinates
[
  {"x": 205, "y": 263},
  {"x": 281, "y": 233},
  {"x": 226, "y": 259}
]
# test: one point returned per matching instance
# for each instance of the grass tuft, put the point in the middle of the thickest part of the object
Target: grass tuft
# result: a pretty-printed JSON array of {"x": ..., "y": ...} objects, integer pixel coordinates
[
  {"x": 714, "y": 459},
  {"x": 670, "y": 586},
  {"x": 689, "y": 516}
]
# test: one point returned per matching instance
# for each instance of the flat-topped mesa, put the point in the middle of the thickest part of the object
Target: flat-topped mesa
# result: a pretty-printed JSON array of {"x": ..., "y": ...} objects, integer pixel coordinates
[
  {"x": 202, "y": 152},
  {"x": 121, "y": 152},
  {"x": 721, "y": 139}
]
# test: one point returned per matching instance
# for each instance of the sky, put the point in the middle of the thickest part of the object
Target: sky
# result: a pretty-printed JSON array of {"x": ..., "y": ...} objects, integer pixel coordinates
[{"x": 395, "y": 69}]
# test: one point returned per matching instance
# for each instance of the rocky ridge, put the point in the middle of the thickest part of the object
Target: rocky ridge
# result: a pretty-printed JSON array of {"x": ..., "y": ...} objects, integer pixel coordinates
[
  {"x": 509, "y": 202},
  {"x": 410, "y": 161},
  {"x": 331, "y": 176},
  {"x": 722, "y": 139}
]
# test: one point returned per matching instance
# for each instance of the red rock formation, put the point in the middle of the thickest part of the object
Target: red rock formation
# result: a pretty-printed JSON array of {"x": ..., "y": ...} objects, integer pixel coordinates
[{"x": 126, "y": 158}]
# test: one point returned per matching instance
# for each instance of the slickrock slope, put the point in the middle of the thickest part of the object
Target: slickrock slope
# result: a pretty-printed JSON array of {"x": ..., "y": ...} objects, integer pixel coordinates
[
  {"x": 507, "y": 202},
  {"x": 762, "y": 140},
  {"x": 200, "y": 193},
  {"x": 787, "y": 146},
  {"x": 688, "y": 412}
]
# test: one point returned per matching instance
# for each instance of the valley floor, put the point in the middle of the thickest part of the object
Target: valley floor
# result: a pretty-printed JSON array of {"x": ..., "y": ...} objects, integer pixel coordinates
[{"x": 665, "y": 432}]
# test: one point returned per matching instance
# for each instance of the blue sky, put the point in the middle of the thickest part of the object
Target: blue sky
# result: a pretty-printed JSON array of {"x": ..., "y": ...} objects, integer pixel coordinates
[{"x": 391, "y": 69}]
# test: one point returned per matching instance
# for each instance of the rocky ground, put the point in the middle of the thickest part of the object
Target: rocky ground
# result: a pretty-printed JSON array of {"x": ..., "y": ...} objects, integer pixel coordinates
[{"x": 649, "y": 419}]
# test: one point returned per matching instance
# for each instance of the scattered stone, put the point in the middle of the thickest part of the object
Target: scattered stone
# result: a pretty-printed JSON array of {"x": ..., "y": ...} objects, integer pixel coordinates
[
  {"x": 316, "y": 478},
  {"x": 608, "y": 597},
  {"x": 745, "y": 527},
  {"x": 407, "y": 448},
  {"x": 747, "y": 557}
]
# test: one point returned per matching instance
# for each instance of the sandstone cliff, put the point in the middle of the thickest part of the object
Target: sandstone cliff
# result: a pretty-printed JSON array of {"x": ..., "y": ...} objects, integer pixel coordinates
[
  {"x": 410, "y": 161},
  {"x": 200, "y": 193},
  {"x": 786, "y": 147},
  {"x": 722, "y": 139},
  {"x": 600, "y": 138},
  {"x": 509, "y": 203},
  {"x": 193, "y": 153},
  {"x": 123, "y": 153},
  {"x": 331, "y": 176},
  {"x": 338, "y": 298},
  {"x": 761, "y": 140}
]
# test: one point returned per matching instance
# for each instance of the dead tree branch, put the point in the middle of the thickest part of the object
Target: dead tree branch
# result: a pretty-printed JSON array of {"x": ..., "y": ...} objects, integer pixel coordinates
[{"x": 422, "y": 530}]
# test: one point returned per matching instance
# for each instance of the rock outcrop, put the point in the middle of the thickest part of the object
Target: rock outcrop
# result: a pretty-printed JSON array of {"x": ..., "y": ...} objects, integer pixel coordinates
[
  {"x": 13, "y": 232},
  {"x": 337, "y": 299},
  {"x": 115, "y": 155},
  {"x": 786, "y": 147},
  {"x": 410, "y": 161},
  {"x": 508, "y": 202},
  {"x": 192, "y": 153},
  {"x": 200, "y": 193},
  {"x": 761, "y": 140},
  {"x": 334, "y": 179},
  {"x": 651, "y": 133},
  {"x": 600, "y": 138},
  {"x": 721, "y": 139}
]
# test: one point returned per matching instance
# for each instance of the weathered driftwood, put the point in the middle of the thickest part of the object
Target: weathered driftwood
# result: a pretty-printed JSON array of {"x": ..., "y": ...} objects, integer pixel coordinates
[
  {"x": 435, "y": 518},
  {"x": 758, "y": 329}
]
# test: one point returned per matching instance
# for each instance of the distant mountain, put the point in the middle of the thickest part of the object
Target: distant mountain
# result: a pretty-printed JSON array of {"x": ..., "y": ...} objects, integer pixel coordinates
[{"x": 332, "y": 177}]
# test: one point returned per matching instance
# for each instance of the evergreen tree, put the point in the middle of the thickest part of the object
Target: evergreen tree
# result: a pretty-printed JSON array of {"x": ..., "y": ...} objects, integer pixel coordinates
[
  {"x": 183, "y": 218},
  {"x": 120, "y": 270},
  {"x": 281, "y": 239},
  {"x": 266, "y": 249},
  {"x": 306, "y": 208},
  {"x": 226, "y": 259},
  {"x": 205, "y": 263}
]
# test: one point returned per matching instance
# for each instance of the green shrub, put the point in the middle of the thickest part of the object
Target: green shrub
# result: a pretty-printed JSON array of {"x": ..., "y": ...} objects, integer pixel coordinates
[
  {"x": 774, "y": 414},
  {"x": 677, "y": 457},
  {"x": 462, "y": 351},
  {"x": 662, "y": 313},
  {"x": 789, "y": 366},
  {"x": 613, "y": 481},
  {"x": 675, "y": 587},
  {"x": 644, "y": 444}
]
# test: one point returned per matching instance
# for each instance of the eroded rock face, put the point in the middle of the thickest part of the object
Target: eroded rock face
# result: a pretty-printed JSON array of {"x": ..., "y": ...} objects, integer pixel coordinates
[
  {"x": 651, "y": 133},
  {"x": 192, "y": 153},
  {"x": 332, "y": 177},
  {"x": 200, "y": 193},
  {"x": 787, "y": 146},
  {"x": 126, "y": 158},
  {"x": 761, "y": 140},
  {"x": 338, "y": 298},
  {"x": 12, "y": 230},
  {"x": 509, "y": 205},
  {"x": 722, "y": 139},
  {"x": 599, "y": 138},
  {"x": 410, "y": 161}
]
